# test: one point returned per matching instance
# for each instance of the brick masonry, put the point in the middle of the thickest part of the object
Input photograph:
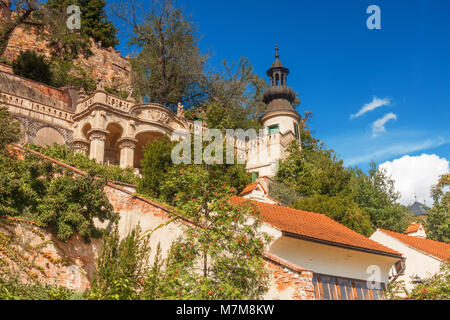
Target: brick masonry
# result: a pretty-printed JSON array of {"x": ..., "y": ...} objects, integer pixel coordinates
[{"x": 287, "y": 281}]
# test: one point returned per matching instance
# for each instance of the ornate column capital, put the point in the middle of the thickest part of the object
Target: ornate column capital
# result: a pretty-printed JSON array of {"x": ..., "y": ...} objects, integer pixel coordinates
[
  {"x": 97, "y": 134},
  {"x": 127, "y": 142},
  {"x": 81, "y": 145}
]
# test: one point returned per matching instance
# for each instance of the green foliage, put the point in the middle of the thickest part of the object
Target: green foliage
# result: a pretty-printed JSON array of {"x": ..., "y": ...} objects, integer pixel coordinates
[
  {"x": 155, "y": 165},
  {"x": 235, "y": 97},
  {"x": 122, "y": 267},
  {"x": 348, "y": 195},
  {"x": 158, "y": 168},
  {"x": 54, "y": 197},
  {"x": 341, "y": 209},
  {"x": 438, "y": 217},
  {"x": 33, "y": 66},
  {"x": 34, "y": 188},
  {"x": 94, "y": 21},
  {"x": 315, "y": 171},
  {"x": 12, "y": 288},
  {"x": 66, "y": 73},
  {"x": 376, "y": 194},
  {"x": 169, "y": 67},
  {"x": 120, "y": 93},
  {"x": 9, "y": 129},
  {"x": 226, "y": 244},
  {"x": 71, "y": 204},
  {"x": 435, "y": 287},
  {"x": 82, "y": 162}
]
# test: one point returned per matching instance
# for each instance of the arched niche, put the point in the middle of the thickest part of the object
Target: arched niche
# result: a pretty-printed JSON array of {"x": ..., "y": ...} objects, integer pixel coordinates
[
  {"x": 143, "y": 139},
  {"x": 112, "y": 152},
  {"x": 48, "y": 136}
]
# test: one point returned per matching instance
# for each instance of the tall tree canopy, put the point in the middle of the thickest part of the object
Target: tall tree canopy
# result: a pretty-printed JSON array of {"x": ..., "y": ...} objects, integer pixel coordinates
[
  {"x": 169, "y": 67},
  {"x": 95, "y": 23},
  {"x": 438, "y": 218},
  {"x": 362, "y": 202}
]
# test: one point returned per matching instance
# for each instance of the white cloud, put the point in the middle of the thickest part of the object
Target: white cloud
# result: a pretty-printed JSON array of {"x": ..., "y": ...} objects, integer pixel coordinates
[
  {"x": 376, "y": 103},
  {"x": 378, "y": 127},
  {"x": 414, "y": 176}
]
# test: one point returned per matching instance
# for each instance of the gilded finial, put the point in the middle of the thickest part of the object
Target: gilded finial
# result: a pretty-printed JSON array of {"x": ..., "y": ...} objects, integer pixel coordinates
[{"x": 276, "y": 52}]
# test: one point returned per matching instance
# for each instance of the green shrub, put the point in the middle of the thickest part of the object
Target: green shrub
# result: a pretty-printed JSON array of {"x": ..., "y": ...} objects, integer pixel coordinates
[{"x": 33, "y": 66}]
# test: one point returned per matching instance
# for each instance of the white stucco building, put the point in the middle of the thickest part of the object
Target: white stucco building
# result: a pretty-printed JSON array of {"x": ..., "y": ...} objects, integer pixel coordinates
[{"x": 423, "y": 257}]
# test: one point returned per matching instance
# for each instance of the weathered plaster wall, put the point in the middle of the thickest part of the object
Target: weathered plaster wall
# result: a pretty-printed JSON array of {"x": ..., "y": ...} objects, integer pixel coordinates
[{"x": 34, "y": 253}]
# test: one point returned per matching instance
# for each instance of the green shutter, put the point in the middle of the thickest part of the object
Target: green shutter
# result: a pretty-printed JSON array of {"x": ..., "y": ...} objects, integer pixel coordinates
[{"x": 274, "y": 129}]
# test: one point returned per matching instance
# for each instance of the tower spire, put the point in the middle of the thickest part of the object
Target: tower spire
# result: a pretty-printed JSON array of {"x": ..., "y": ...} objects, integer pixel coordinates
[{"x": 277, "y": 55}]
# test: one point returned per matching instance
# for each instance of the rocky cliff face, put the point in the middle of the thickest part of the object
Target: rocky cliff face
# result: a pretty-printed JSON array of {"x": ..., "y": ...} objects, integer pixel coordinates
[{"x": 106, "y": 64}]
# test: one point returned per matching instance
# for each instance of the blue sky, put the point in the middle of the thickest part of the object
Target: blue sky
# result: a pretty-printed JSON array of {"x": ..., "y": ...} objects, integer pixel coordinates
[{"x": 338, "y": 65}]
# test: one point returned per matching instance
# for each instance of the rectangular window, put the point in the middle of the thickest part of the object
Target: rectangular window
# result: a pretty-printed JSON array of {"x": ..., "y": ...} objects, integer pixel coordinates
[
  {"x": 274, "y": 129},
  {"x": 297, "y": 134},
  {"x": 346, "y": 289},
  {"x": 335, "y": 288}
]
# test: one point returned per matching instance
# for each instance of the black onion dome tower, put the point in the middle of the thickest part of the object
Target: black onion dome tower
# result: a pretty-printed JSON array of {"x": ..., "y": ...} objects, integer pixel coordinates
[{"x": 279, "y": 97}]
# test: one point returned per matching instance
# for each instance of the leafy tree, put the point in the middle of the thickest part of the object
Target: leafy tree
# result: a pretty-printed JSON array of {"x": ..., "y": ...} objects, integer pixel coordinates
[
  {"x": 95, "y": 23},
  {"x": 438, "y": 218},
  {"x": 221, "y": 258},
  {"x": 314, "y": 171},
  {"x": 341, "y": 209},
  {"x": 157, "y": 161},
  {"x": 169, "y": 67},
  {"x": 94, "y": 20},
  {"x": 71, "y": 204},
  {"x": 32, "y": 66},
  {"x": 376, "y": 194},
  {"x": 235, "y": 97}
]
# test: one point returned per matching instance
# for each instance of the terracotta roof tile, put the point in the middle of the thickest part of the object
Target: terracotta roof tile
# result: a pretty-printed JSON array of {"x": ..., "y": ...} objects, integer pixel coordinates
[
  {"x": 414, "y": 228},
  {"x": 314, "y": 226},
  {"x": 440, "y": 250},
  {"x": 252, "y": 187}
]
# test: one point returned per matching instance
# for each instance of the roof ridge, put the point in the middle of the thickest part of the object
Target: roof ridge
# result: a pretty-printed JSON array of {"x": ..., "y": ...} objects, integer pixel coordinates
[
  {"x": 416, "y": 238},
  {"x": 340, "y": 235}
]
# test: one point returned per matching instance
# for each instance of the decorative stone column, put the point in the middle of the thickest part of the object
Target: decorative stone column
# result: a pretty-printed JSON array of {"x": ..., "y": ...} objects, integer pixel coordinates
[
  {"x": 97, "y": 137},
  {"x": 127, "y": 147},
  {"x": 81, "y": 146}
]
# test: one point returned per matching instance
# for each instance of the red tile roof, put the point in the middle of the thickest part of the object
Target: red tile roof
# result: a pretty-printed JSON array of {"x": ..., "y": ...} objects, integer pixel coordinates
[
  {"x": 252, "y": 187},
  {"x": 414, "y": 227},
  {"x": 440, "y": 250},
  {"x": 315, "y": 226}
]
